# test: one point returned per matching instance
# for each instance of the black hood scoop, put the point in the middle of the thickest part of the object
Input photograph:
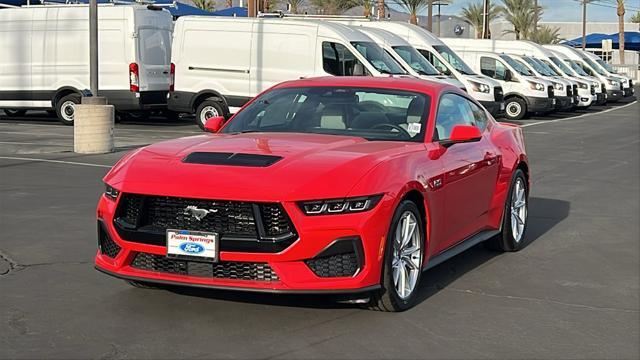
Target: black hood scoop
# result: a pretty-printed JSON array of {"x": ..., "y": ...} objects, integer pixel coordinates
[{"x": 231, "y": 159}]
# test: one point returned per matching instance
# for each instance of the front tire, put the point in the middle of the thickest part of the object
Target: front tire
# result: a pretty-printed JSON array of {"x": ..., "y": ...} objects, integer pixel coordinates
[
  {"x": 514, "y": 222},
  {"x": 404, "y": 252},
  {"x": 515, "y": 108},
  {"x": 66, "y": 108},
  {"x": 208, "y": 109}
]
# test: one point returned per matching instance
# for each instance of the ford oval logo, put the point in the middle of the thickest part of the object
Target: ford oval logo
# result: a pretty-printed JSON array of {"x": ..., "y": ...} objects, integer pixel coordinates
[{"x": 191, "y": 248}]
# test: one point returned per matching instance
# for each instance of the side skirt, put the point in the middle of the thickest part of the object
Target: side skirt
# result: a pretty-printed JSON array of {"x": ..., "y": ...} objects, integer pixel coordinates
[{"x": 460, "y": 247}]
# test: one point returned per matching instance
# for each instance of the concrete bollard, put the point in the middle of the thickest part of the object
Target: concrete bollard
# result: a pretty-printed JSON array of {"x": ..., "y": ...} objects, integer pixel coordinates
[{"x": 93, "y": 127}]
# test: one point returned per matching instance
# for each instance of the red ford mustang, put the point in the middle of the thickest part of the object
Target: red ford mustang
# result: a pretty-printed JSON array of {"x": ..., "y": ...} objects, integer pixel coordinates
[{"x": 328, "y": 185}]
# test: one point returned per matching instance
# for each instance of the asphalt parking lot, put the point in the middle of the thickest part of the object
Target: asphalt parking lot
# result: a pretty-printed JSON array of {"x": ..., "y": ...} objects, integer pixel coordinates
[{"x": 573, "y": 292}]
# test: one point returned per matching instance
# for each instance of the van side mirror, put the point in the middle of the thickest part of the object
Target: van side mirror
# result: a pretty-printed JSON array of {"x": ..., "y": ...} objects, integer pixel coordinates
[
  {"x": 358, "y": 69},
  {"x": 214, "y": 124},
  {"x": 508, "y": 75},
  {"x": 463, "y": 134}
]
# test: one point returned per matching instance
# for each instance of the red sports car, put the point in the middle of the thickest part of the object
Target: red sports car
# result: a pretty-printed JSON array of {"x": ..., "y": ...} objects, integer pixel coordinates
[{"x": 327, "y": 185}]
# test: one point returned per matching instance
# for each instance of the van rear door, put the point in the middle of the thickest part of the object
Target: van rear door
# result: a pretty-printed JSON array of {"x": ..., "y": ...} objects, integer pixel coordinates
[{"x": 154, "y": 59}]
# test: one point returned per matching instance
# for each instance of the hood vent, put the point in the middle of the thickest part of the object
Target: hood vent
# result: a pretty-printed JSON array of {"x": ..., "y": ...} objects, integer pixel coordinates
[{"x": 231, "y": 159}]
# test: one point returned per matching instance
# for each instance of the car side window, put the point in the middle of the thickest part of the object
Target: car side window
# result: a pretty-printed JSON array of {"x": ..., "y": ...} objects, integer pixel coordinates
[
  {"x": 492, "y": 68},
  {"x": 453, "y": 110},
  {"x": 338, "y": 60},
  {"x": 435, "y": 61},
  {"x": 479, "y": 116}
]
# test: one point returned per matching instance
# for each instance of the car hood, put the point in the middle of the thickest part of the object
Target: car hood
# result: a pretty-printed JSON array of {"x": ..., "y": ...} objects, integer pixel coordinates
[{"x": 305, "y": 166}]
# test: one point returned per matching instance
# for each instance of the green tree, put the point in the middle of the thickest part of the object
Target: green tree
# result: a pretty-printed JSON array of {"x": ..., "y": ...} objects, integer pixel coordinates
[
  {"x": 546, "y": 35},
  {"x": 635, "y": 18},
  {"x": 521, "y": 14},
  {"x": 473, "y": 14},
  {"x": 208, "y": 5},
  {"x": 413, "y": 7}
]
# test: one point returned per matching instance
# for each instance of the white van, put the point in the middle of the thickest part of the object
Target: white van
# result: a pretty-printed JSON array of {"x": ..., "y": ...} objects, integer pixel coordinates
[
  {"x": 595, "y": 61},
  {"x": 407, "y": 56},
  {"x": 533, "y": 51},
  {"x": 563, "y": 89},
  {"x": 487, "y": 91},
  {"x": 221, "y": 62},
  {"x": 565, "y": 65},
  {"x": 523, "y": 93},
  {"x": 44, "y": 59},
  {"x": 612, "y": 85}
]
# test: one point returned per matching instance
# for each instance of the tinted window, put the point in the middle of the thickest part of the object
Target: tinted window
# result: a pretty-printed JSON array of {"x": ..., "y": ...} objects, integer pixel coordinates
[
  {"x": 374, "y": 114},
  {"x": 417, "y": 62},
  {"x": 380, "y": 60},
  {"x": 439, "y": 65},
  {"x": 453, "y": 59},
  {"x": 453, "y": 110},
  {"x": 521, "y": 69},
  {"x": 338, "y": 60},
  {"x": 492, "y": 68}
]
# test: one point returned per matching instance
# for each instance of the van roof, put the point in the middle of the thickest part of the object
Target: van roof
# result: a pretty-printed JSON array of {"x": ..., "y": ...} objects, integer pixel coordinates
[
  {"x": 520, "y": 47},
  {"x": 406, "y": 83},
  {"x": 324, "y": 27},
  {"x": 381, "y": 35}
]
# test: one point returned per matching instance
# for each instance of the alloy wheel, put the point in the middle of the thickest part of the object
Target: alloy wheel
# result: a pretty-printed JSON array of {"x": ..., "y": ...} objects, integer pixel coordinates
[
  {"x": 518, "y": 209},
  {"x": 407, "y": 255}
]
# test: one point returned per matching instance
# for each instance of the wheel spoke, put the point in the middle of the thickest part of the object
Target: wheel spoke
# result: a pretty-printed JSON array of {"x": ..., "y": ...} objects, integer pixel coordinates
[{"x": 402, "y": 284}]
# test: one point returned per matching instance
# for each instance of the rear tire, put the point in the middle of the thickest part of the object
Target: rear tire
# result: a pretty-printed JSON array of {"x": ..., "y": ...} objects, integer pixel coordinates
[
  {"x": 66, "y": 108},
  {"x": 208, "y": 109},
  {"x": 15, "y": 112},
  {"x": 514, "y": 222},
  {"x": 515, "y": 108},
  {"x": 400, "y": 294}
]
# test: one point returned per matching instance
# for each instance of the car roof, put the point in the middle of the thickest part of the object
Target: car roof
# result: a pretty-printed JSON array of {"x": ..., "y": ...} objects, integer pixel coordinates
[{"x": 405, "y": 83}]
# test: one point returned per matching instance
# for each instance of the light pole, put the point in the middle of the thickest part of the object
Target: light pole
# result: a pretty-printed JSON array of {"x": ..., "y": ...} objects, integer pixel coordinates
[
  {"x": 439, "y": 5},
  {"x": 485, "y": 20}
]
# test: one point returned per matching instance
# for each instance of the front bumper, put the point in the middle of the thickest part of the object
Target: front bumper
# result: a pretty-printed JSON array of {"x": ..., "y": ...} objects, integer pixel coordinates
[
  {"x": 495, "y": 108},
  {"x": 614, "y": 95},
  {"x": 629, "y": 91},
  {"x": 540, "y": 104},
  {"x": 601, "y": 98},
  {"x": 288, "y": 270},
  {"x": 564, "y": 103}
]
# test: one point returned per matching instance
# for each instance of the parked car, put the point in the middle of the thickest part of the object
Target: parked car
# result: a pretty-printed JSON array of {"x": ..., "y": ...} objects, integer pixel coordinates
[
  {"x": 45, "y": 56},
  {"x": 326, "y": 185},
  {"x": 259, "y": 53},
  {"x": 524, "y": 93}
]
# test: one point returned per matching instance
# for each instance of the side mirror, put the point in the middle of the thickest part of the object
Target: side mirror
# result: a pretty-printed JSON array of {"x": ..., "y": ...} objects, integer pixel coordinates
[
  {"x": 358, "y": 69},
  {"x": 214, "y": 124},
  {"x": 462, "y": 134},
  {"x": 508, "y": 76}
]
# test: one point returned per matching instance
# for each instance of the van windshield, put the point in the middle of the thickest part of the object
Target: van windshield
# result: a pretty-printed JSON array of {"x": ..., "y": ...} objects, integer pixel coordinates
[
  {"x": 577, "y": 67},
  {"x": 607, "y": 66},
  {"x": 521, "y": 69},
  {"x": 370, "y": 113},
  {"x": 552, "y": 68},
  {"x": 562, "y": 66},
  {"x": 539, "y": 69},
  {"x": 453, "y": 59},
  {"x": 546, "y": 67},
  {"x": 380, "y": 60},
  {"x": 415, "y": 60},
  {"x": 594, "y": 66}
]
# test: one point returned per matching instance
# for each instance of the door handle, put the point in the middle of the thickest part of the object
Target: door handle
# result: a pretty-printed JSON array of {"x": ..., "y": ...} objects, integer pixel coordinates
[{"x": 489, "y": 158}]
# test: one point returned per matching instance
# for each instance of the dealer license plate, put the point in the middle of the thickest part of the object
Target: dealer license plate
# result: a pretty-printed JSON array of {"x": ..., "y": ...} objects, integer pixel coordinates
[{"x": 193, "y": 245}]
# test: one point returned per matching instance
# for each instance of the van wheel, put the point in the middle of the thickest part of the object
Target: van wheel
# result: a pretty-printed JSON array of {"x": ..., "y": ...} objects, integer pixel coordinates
[
  {"x": 515, "y": 108},
  {"x": 15, "y": 112},
  {"x": 66, "y": 108},
  {"x": 208, "y": 109}
]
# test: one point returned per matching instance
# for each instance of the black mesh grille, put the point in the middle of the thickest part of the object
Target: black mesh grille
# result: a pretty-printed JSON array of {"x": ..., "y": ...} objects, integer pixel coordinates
[
  {"x": 241, "y": 225},
  {"x": 575, "y": 89},
  {"x": 569, "y": 91},
  {"x": 630, "y": 83},
  {"x": 223, "y": 270},
  {"x": 550, "y": 91},
  {"x": 593, "y": 89},
  {"x": 335, "y": 265},
  {"x": 499, "y": 95},
  {"x": 107, "y": 246}
]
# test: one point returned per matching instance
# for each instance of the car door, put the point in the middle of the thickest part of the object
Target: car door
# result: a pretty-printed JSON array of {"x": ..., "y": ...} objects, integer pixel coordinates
[{"x": 470, "y": 170}]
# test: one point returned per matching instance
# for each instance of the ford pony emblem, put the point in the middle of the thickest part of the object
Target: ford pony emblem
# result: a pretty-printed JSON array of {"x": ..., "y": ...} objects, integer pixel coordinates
[{"x": 198, "y": 213}]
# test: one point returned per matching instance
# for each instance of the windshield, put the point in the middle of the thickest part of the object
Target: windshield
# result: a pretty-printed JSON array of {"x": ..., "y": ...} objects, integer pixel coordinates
[
  {"x": 520, "y": 68},
  {"x": 453, "y": 59},
  {"x": 546, "y": 67},
  {"x": 373, "y": 114},
  {"x": 380, "y": 60},
  {"x": 577, "y": 67},
  {"x": 537, "y": 67},
  {"x": 606, "y": 66},
  {"x": 594, "y": 66},
  {"x": 415, "y": 60},
  {"x": 562, "y": 66}
]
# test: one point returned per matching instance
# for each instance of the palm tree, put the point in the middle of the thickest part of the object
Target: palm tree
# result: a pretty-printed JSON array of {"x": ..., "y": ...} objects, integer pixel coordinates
[
  {"x": 208, "y": 5},
  {"x": 546, "y": 35},
  {"x": 295, "y": 5},
  {"x": 620, "y": 12},
  {"x": 367, "y": 5},
  {"x": 413, "y": 7},
  {"x": 636, "y": 18},
  {"x": 521, "y": 14},
  {"x": 229, "y": 3},
  {"x": 473, "y": 14}
]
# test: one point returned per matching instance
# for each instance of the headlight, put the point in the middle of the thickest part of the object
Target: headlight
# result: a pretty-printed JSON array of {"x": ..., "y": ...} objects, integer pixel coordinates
[
  {"x": 340, "y": 206},
  {"x": 558, "y": 86},
  {"x": 479, "y": 87},
  {"x": 536, "y": 86},
  {"x": 111, "y": 192},
  {"x": 612, "y": 82},
  {"x": 583, "y": 85}
]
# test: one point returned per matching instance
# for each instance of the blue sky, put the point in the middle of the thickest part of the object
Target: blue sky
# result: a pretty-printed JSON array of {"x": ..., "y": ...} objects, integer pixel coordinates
[{"x": 563, "y": 10}]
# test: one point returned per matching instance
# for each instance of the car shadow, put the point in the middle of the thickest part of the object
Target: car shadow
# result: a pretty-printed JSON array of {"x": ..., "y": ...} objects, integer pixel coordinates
[{"x": 544, "y": 215}]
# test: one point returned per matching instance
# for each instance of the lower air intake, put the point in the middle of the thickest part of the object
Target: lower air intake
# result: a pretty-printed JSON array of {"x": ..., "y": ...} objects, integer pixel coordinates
[
  {"x": 342, "y": 258},
  {"x": 107, "y": 246},
  {"x": 224, "y": 270}
]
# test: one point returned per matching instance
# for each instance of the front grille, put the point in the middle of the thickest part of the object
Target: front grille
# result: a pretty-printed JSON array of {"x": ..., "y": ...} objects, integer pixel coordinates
[
  {"x": 498, "y": 93},
  {"x": 335, "y": 265},
  {"x": 575, "y": 89},
  {"x": 232, "y": 270},
  {"x": 603, "y": 87},
  {"x": 550, "y": 91},
  {"x": 593, "y": 89},
  {"x": 107, "y": 246},
  {"x": 569, "y": 91},
  {"x": 243, "y": 226},
  {"x": 630, "y": 83}
]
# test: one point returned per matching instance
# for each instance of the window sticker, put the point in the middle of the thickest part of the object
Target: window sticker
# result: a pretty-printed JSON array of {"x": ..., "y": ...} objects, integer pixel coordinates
[{"x": 414, "y": 128}]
